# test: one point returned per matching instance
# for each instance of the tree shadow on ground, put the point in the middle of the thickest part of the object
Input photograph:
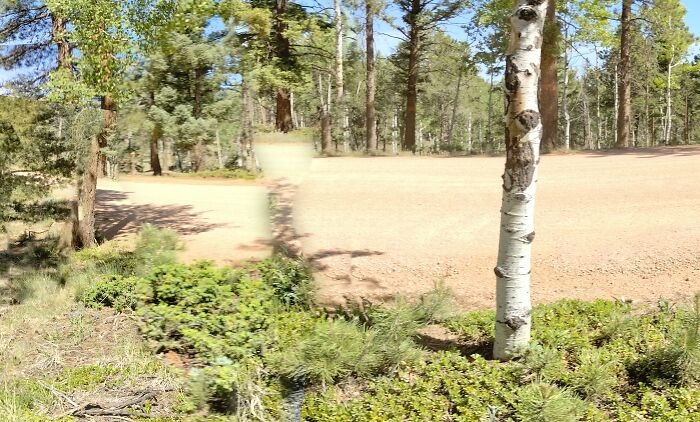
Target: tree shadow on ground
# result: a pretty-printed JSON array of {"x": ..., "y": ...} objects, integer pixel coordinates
[
  {"x": 436, "y": 343},
  {"x": 115, "y": 218}
]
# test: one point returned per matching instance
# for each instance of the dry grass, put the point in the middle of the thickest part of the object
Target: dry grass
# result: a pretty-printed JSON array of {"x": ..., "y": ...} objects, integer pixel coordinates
[{"x": 54, "y": 353}]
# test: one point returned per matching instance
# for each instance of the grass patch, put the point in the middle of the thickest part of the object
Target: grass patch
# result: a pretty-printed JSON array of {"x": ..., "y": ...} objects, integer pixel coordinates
[{"x": 238, "y": 173}]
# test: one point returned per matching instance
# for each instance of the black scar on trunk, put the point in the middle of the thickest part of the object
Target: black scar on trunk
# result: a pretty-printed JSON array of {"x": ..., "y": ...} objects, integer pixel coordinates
[
  {"x": 528, "y": 120},
  {"x": 527, "y": 13},
  {"x": 512, "y": 81},
  {"x": 520, "y": 164}
]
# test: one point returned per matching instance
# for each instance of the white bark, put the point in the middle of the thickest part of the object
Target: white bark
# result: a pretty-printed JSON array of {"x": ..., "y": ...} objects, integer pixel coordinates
[
  {"x": 524, "y": 133},
  {"x": 469, "y": 133},
  {"x": 565, "y": 99},
  {"x": 394, "y": 135}
]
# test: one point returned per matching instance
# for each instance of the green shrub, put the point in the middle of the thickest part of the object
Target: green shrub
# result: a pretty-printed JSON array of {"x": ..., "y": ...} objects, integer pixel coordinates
[
  {"x": 596, "y": 373},
  {"x": 335, "y": 349},
  {"x": 291, "y": 280},
  {"x": 542, "y": 402},
  {"x": 205, "y": 311},
  {"x": 224, "y": 174},
  {"x": 113, "y": 291}
]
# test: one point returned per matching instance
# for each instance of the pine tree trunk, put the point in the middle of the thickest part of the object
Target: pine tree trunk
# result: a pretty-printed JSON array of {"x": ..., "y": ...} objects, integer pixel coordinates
[
  {"x": 549, "y": 85},
  {"x": 625, "y": 96},
  {"x": 523, "y": 137},
  {"x": 370, "y": 113},
  {"x": 155, "y": 160},
  {"x": 86, "y": 226},
  {"x": 219, "y": 153},
  {"x": 59, "y": 31},
  {"x": 283, "y": 110}
]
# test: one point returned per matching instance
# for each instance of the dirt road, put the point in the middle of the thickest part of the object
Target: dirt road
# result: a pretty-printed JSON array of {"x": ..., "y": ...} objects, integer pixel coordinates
[
  {"x": 608, "y": 225},
  {"x": 218, "y": 220}
]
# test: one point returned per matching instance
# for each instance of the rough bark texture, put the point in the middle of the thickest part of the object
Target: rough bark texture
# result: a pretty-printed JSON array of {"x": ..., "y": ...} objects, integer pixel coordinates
[
  {"x": 155, "y": 159},
  {"x": 523, "y": 137},
  {"x": 109, "y": 110},
  {"x": 549, "y": 84},
  {"x": 58, "y": 34},
  {"x": 86, "y": 227},
  {"x": 283, "y": 111},
  {"x": 370, "y": 114},
  {"x": 624, "y": 88}
]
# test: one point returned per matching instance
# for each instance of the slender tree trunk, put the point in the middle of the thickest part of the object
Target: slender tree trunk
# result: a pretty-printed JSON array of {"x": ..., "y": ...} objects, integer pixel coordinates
[
  {"x": 248, "y": 153},
  {"x": 599, "y": 123},
  {"x": 219, "y": 153},
  {"x": 86, "y": 227},
  {"x": 587, "y": 134},
  {"x": 325, "y": 116},
  {"x": 489, "y": 128},
  {"x": 469, "y": 132},
  {"x": 394, "y": 134},
  {"x": 155, "y": 160},
  {"x": 295, "y": 117},
  {"x": 341, "y": 110},
  {"x": 409, "y": 142},
  {"x": 549, "y": 84},
  {"x": 565, "y": 99},
  {"x": 455, "y": 108},
  {"x": 616, "y": 92},
  {"x": 370, "y": 113},
  {"x": 669, "y": 109},
  {"x": 625, "y": 96},
  {"x": 523, "y": 136},
  {"x": 686, "y": 120}
]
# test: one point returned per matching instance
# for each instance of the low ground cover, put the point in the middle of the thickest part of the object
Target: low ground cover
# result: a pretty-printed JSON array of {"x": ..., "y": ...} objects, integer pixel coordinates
[{"x": 110, "y": 326}]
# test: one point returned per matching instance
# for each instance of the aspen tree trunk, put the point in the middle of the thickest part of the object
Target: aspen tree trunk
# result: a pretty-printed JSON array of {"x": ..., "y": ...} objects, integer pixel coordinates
[
  {"x": 419, "y": 140},
  {"x": 669, "y": 110},
  {"x": 624, "y": 88},
  {"x": 370, "y": 113},
  {"x": 394, "y": 134},
  {"x": 346, "y": 132},
  {"x": 587, "y": 134},
  {"x": 599, "y": 125},
  {"x": 565, "y": 98},
  {"x": 617, "y": 106},
  {"x": 247, "y": 154},
  {"x": 469, "y": 133},
  {"x": 295, "y": 118},
  {"x": 325, "y": 116},
  {"x": 523, "y": 137},
  {"x": 489, "y": 130},
  {"x": 339, "y": 83}
]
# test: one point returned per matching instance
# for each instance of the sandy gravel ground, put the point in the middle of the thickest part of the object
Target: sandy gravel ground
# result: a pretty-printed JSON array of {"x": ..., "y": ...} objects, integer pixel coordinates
[
  {"x": 218, "y": 220},
  {"x": 608, "y": 225}
]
